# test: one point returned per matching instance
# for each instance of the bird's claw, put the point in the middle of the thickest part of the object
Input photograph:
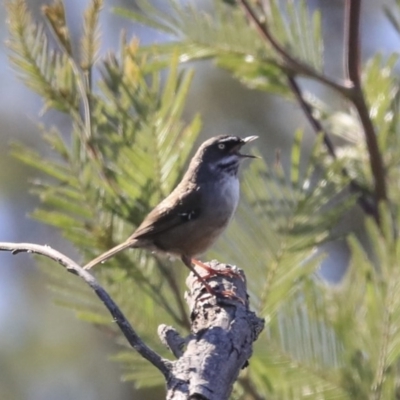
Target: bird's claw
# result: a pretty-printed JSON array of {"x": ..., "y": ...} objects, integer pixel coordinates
[{"x": 213, "y": 272}]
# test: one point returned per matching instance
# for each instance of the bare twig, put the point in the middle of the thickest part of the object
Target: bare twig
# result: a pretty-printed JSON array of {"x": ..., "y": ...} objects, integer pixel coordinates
[
  {"x": 365, "y": 198},
  {"x": 52, "y": 14},
  {"x": 352, "y": 9},
  {"x": 84, "y": 85},
  {"x": 163, "y": 365},
  {"x": 171, "y": 339},
  {"x": 147, "y": 286},
  {"x": 315, "y": 123},
  {"x": 297, "y": 67}
]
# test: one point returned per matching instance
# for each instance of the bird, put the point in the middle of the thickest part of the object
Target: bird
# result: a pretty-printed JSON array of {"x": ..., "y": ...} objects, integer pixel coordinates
[{"x": 190, "y": 219}]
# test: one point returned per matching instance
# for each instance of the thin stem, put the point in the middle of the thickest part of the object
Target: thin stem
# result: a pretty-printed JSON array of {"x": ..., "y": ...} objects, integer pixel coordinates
[
  {"x": 183, "y": 320},
  {"x": 297, "y": 67},
  {"x": 80, "y": 83},
  {"x": 84, "y": 87},
  {"x": 316, "y": 124},
  {"x": 248, "y": 386},
  {"x": 130, "y": 334},
  {"x": 364, "y": 199}
]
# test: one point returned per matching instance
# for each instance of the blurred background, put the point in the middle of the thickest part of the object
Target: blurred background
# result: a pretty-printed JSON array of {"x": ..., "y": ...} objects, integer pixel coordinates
[{"x": 45, "y": 352}]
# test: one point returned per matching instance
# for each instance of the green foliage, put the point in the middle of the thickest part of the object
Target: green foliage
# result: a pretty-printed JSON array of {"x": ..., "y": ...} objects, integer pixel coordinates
[
  {"x": 297, "y": 31},
  {"x": 127, "y": 149},
  {"x": 222, "y": 36},
  {"x": 286, "y": 215},
  {"x": 90, "y": 41},
  {"x": 102, "y": 182},
  {"x": 44, "y": 70},
  {"x": 381, "y": 92}
]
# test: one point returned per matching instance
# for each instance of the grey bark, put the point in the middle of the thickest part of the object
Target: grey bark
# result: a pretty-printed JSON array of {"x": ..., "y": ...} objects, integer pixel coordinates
[{"x": 220, "y": 344}]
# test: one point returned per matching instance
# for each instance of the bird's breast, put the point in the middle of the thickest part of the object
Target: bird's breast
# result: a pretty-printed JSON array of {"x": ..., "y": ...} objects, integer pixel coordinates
[
  {"x": 219, "y": 202},
  {"x": 221, "y": 199}
]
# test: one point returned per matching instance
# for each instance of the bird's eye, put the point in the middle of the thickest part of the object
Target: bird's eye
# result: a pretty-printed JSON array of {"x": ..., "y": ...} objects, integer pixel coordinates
[{"x": 221, "y": 146}]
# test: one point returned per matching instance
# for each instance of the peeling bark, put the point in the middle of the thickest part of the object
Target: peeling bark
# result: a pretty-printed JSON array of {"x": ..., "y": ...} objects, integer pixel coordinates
[{"x": 223, "y": 331}]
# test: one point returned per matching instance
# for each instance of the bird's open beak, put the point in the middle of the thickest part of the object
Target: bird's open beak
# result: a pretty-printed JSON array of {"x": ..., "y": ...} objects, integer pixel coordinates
[
  {"x": 246, "y": 140},
  {"x": 249, "y": 139}
]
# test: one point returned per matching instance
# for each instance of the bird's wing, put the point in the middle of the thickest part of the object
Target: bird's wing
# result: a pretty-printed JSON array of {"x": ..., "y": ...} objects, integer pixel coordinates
[{"x": 171, "y": 212}]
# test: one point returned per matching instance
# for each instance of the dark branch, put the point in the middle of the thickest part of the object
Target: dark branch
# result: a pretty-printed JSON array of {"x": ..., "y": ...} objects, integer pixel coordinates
[
  {"x": 353, "y": 9},
  {"x": 350, "y": 88},
  {"x": 130, "y": 334},
  {"x": 352, "y": 34}
]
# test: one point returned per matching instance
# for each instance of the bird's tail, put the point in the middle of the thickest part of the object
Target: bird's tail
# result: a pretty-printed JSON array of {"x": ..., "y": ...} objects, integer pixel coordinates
[{"x": 108, "y": 254}]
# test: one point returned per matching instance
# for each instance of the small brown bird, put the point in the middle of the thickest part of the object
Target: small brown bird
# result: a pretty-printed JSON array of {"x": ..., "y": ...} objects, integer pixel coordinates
[{"x": 198, "y": 210}]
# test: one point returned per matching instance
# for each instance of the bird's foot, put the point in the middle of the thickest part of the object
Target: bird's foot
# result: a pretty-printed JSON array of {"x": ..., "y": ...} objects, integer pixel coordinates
[
  {"x": 230, "y": 294},
  {"x": 227, "y": 294},
  {"x": 213, "y": 272}
]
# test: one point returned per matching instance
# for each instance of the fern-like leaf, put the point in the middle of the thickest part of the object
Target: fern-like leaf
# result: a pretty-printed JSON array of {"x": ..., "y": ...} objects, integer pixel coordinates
[
  {"x": 90, "y": 41},
  {"x": 45, "y": 71}
]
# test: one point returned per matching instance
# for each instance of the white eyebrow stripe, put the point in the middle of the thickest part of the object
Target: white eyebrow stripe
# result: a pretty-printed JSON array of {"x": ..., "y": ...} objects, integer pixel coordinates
[{"x": 229, "y": 139}]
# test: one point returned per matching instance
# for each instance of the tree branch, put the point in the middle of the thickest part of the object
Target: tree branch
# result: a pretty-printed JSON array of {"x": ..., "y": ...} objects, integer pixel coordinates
[
  {"x": 352, "y": 35},
  {"x": 350, "y": 89},
  {"x": 223, "y": 330},
  {"x": 171, "y": 339},
  {"x": 352, "y": 17},
  {"x": 163, "y": 365}
]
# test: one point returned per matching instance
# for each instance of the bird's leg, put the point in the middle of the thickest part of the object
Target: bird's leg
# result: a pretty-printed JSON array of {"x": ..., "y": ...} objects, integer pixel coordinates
[
  {"x": 188, "y": 262},
  {"x": 213, "y": 272},
  {"x": 225, "y": 293}
]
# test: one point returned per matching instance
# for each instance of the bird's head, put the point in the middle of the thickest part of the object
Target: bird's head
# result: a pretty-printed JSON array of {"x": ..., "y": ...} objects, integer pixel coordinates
[{"x": 222, "y": 153}]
